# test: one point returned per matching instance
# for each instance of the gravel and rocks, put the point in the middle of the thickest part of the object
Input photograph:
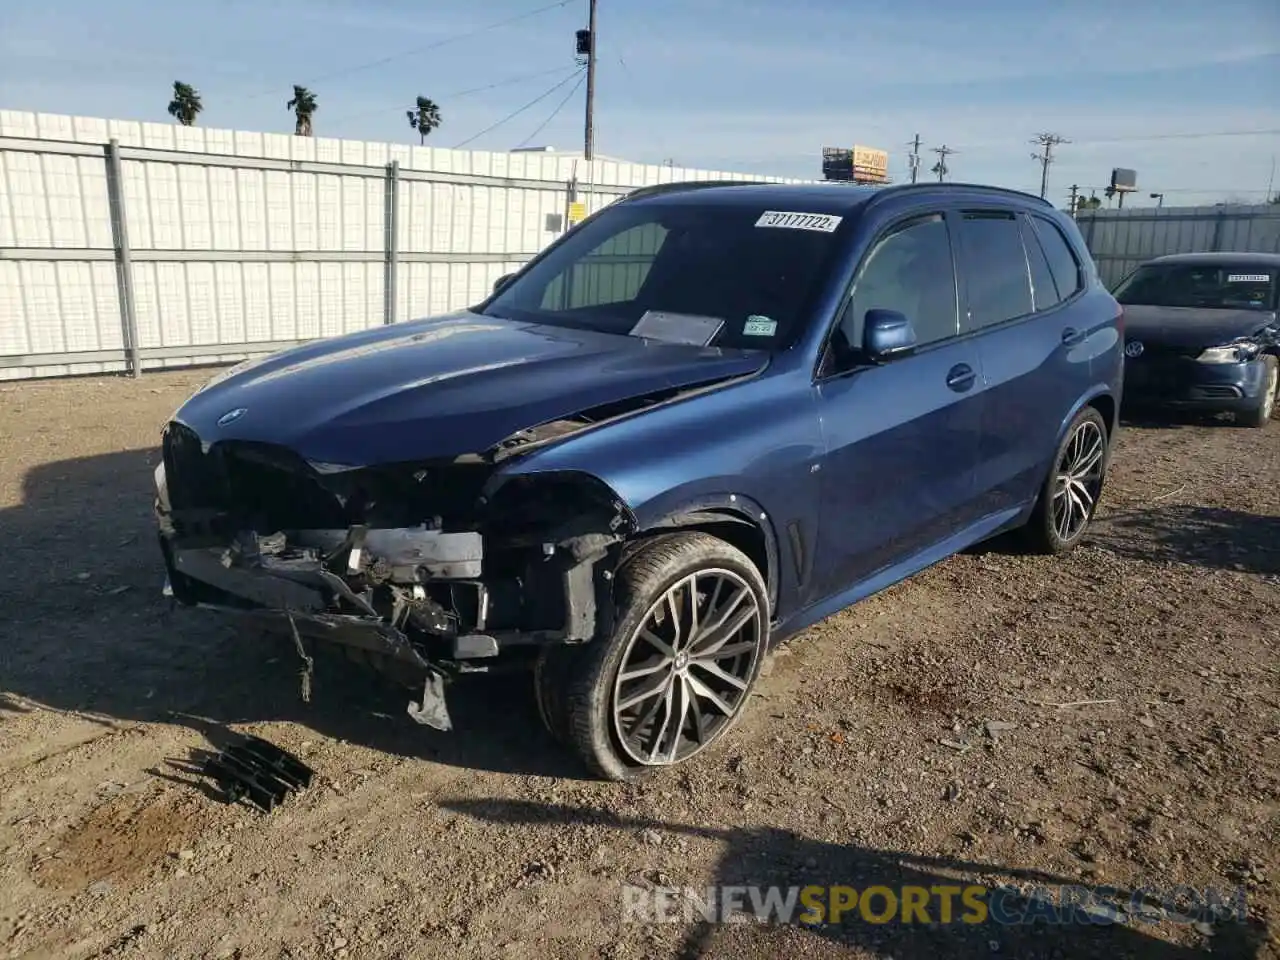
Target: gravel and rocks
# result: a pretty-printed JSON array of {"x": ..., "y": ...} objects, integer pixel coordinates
[{"x": 1112, "y": 717}]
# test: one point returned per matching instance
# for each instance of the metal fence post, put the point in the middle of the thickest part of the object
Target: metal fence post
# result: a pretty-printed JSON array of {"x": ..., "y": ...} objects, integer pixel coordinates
[
  {"x": 124, "y": 263},
  {"x": 1217, "y": 229},
  {"x": 391, "y": 246}
]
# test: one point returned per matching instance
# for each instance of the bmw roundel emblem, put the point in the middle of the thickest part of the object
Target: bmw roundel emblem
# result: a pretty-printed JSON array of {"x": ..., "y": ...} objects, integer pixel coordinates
[
  {"x": 231, "y": 416},
  {"x": 1133, "y": 348}
]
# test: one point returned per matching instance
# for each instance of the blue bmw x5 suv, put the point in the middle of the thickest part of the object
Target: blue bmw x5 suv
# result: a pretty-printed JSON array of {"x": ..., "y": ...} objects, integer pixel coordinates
[{"x": 703, "y": 419}]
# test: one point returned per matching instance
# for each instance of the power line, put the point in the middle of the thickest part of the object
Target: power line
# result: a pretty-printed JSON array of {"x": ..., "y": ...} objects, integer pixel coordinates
[
  {"x": 434, "y": 45},
  {"x": 515, "y": 113},
  {"x": 559, "y": 106},
  {"x": 463, "y": 93}
]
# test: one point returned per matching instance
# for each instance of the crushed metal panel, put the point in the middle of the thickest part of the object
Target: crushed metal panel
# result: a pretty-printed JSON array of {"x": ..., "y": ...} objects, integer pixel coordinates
[
  {"x": 433, "y": 711},
  {"x": 260, "y": 771}
]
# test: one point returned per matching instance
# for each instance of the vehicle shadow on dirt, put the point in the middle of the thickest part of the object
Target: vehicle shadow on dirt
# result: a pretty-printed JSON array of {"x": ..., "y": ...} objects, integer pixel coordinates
[
  {"x": 767, "y": 857},
  {"x": 87, "y": 632},
  {"x": 1156, "y": 418},
  {"x": 1212, "y": 537}
]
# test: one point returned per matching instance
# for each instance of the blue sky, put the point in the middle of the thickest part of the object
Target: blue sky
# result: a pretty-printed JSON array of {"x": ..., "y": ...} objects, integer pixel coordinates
[{"x": 752, "y": 85}]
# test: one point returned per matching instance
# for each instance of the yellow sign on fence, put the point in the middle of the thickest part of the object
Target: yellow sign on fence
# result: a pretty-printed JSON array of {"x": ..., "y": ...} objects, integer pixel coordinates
[{"x": 577, "y": 212}]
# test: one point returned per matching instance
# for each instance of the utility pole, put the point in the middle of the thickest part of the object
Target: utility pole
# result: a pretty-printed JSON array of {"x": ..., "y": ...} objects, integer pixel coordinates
[
  {"x": 940, "y": 168},
  {"x": 1075, "y": 191},
  {"x": 589, "y": 147},
  {"x": 914, "y": 159},
  {"x": 1047, "y": 141}
]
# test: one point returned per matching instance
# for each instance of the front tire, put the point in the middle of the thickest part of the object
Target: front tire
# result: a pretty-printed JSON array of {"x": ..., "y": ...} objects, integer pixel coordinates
[
  {"x": 1070, "y": 494},
  {"x": 1260, "y": 415},
  {"x": 692, "y": 631}
]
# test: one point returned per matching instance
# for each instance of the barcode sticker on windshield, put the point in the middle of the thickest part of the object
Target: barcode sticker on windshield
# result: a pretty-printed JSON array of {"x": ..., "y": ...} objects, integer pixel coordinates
[
  {"x": 1248, "y": 278},
  {"x": 822, "y": 222}
]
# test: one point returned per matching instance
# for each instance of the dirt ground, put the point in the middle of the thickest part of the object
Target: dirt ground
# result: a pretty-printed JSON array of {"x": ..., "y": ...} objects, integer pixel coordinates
[{"x": 913, "y": 739}]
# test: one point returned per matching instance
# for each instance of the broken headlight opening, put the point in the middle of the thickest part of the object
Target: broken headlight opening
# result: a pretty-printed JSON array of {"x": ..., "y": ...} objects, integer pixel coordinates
[
  {"x": 432, "y": 569},
  {"x": 1240, "y": 351}
]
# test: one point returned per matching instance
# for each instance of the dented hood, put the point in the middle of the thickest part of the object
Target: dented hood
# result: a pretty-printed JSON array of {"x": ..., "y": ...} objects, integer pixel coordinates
[{"x": 441, "y": 387}]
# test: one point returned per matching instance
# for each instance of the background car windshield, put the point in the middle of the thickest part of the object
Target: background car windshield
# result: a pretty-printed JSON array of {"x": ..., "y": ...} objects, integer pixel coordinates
[
  {"x": 705, "y": 260},
  {"x": 1224, "y": 286}
]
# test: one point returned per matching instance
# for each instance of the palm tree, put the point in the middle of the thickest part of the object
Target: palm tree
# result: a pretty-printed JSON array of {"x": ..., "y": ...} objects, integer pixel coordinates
[
  {"x": 303, "y": 106},
  {"x": 424, "y": 119},
  {"x": 185, "y": 103}
]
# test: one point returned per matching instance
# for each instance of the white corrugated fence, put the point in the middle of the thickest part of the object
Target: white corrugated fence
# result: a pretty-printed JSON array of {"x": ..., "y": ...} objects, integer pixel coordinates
[{"x": 127, "y": 245}]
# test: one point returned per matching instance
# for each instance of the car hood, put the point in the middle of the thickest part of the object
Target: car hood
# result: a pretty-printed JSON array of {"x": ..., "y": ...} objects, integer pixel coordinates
[
  {"x": 442, "y": 387},
  {"x": 1192, "y": 326}
]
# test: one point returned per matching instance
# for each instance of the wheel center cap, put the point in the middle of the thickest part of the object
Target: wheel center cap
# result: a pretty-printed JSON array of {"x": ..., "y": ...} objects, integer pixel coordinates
[{"x": 682, "y": 660}]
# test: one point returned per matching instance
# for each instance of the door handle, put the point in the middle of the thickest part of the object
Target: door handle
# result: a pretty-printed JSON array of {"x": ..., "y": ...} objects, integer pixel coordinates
[
  {"x": 960, "y": 377},
  {"x": 1072, "y": 337}
]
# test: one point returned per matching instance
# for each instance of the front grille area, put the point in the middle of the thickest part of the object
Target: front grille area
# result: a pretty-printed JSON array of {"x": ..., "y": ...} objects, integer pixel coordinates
[
  {"x": 1165, "y": 350},
  {"x": 1216, "y": 392},
  {"x": 1154, "y": 374},
  {"x": 193, "y": 481},
  {"x": 251, "y": 485}
]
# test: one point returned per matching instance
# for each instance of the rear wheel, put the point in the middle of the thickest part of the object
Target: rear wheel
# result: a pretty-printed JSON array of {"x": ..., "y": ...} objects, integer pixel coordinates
[
  {"x": 1266, "y": 408},
  {"x": 692, "y": 630},
  {"x": 1070, "y": 494}
]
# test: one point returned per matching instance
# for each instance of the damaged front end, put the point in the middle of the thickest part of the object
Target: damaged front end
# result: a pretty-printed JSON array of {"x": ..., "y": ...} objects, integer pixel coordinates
[{"x": 430, "y": 569}]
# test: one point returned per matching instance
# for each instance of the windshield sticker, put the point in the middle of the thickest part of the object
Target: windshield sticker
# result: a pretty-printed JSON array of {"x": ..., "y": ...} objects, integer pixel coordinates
[
  {"x": 677, "y": 327},
  {"x": 822, "y": 222},
  {"x": 1248, "y": 278},
  {"x": 757, "y": 326}
]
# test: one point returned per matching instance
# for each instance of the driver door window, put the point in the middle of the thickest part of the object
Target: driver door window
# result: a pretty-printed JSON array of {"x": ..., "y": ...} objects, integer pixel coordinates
[{"x": 909, "y": 271}]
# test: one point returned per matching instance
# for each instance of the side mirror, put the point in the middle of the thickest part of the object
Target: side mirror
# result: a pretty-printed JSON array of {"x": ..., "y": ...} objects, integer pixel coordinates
[
  {"x": 502, "y": 281},
  {"x": 887, "y": 334}
]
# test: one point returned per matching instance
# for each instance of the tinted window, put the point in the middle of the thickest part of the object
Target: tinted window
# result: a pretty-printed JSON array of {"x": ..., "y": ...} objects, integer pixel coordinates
[
  {"x": 1063, "y": 263},
  {"x": 679, "y": 257},
  {"x": 610, "y": 273},
  {"x": 1044, "y": 292},
  {"x": 995, "y": 269},
  {"x": 1240, "y": 286},
  {"x": 909, "y": 271}
]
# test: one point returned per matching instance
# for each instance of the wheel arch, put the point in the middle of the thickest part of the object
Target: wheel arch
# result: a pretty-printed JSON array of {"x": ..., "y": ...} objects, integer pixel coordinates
[
  {"x": 738, "y": 520},
  {"x": 1106, "y": 405},
  {"x": 1101, "y": 399}
]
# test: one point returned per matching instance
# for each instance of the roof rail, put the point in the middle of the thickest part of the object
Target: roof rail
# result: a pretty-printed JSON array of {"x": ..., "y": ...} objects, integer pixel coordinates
[
  {"x": 950, "y": 185},
  {"x": 682, "y": 185}
]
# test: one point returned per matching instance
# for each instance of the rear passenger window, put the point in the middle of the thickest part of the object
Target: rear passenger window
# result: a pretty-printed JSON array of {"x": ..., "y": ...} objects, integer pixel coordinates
[
  {"x": 1063, "y": 263},
  {"x": 994, "y": 266},
  {"x": 1043, "y": 290}
]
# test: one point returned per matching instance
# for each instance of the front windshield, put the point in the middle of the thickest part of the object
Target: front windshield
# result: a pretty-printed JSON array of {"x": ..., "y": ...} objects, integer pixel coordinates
[
  {"x": 1213, "y": 286},
  {"x": 754, "y": 277}
]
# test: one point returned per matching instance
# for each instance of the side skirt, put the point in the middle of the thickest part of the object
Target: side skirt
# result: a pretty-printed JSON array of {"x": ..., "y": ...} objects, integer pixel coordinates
[{"x": 984, "y": 529}]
